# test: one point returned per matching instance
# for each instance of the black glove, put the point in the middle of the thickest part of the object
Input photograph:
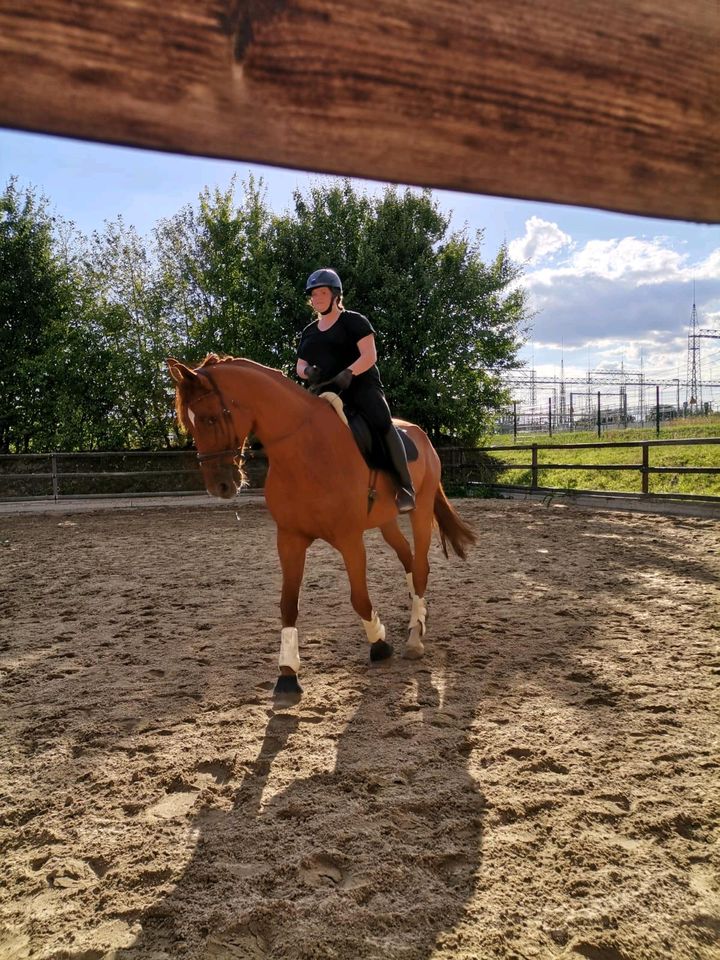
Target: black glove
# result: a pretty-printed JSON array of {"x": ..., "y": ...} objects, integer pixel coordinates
[
  {"x": 343, "y": 380},
  {"x": 313, "y": 375}
]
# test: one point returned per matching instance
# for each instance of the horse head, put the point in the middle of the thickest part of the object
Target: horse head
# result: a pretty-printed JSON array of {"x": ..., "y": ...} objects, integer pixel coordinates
[{"x": 217, "y": 424}]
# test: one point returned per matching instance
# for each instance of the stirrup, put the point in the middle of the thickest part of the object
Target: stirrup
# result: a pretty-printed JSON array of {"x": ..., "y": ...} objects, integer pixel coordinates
[{"x": 405, "y": 500}]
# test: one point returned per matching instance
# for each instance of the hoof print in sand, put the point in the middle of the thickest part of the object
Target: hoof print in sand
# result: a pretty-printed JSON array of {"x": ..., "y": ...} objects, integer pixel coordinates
[{"x": 322, "y": 870}]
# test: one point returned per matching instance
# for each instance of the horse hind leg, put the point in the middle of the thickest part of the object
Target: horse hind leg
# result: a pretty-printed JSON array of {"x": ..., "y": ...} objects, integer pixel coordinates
[
  {"x": 421, "y": 520},
  {"x": 394, "y": 537},
  {"x": 414, "y": 647},
  {"x": 355, "y": 560}
]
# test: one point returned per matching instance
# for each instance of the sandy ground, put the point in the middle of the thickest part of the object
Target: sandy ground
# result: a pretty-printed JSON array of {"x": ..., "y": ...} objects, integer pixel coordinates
[{"x": 543, "y": 784}]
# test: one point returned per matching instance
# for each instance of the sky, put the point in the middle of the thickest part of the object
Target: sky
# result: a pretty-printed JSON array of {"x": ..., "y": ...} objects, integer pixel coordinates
[{"x": 606, "y": 290}]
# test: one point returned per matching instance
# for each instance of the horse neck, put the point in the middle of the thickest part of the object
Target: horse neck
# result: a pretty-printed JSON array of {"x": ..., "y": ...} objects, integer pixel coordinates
[{"x": 279, "y": 408}]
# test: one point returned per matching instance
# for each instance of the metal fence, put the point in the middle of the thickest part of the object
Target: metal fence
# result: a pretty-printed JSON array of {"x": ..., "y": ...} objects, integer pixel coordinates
[{"x": 596, "y": 411}]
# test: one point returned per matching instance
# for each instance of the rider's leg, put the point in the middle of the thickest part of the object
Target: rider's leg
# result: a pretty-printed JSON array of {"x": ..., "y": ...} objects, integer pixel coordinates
[
  {"x": 374, "y": 406},
  {"x": 396, "y": 448}
]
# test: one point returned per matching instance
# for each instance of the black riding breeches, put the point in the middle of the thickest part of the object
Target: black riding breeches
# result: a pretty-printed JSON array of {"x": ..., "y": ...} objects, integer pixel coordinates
[{"x": 370, "y": 401}]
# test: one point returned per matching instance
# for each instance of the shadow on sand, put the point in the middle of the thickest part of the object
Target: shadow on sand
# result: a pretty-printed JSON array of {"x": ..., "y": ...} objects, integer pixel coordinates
[{"x": 376, "y": 857}]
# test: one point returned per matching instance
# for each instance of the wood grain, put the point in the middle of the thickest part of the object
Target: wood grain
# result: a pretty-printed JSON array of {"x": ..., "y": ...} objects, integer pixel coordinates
[{"x": 611, "y": 105}]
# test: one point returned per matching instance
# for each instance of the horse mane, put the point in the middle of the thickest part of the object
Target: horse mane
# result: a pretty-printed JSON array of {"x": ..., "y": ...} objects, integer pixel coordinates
[{"x": 182, "y": 391}]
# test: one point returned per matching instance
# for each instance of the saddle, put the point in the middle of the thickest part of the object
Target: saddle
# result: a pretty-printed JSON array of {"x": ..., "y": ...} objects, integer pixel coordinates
[{"x": 370, "y": 444}]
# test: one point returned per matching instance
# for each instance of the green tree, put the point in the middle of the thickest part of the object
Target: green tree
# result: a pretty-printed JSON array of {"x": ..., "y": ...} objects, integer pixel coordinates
[
  {"x": 218, "y": 274},
  {"x": 51, "y": 393},
  {"x": 131, "y": 315},
  {"x": 448, "y": 325}
]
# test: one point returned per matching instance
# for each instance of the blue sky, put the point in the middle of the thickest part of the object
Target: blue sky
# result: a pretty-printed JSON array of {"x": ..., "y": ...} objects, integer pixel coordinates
[{"x": 606, "y": 288}]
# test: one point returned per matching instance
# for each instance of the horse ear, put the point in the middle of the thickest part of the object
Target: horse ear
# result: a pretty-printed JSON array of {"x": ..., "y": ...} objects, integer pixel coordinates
[{"x": 179, "y": 372}]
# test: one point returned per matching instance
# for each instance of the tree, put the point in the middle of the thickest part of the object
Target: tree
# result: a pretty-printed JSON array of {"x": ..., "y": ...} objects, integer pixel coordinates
[
  {"x": 85, "y": 326},
  {"x": 218, "y": 276},
  {"x": 447, "y": 324},
  {"x": 50, "y": 394}
]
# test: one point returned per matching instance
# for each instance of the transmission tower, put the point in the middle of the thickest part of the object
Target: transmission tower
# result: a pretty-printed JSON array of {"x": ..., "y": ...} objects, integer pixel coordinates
[
  {"x": 693, "y": 397},
  {"x": 563, "y": 409},
  {"x": 642, "y": 387}
]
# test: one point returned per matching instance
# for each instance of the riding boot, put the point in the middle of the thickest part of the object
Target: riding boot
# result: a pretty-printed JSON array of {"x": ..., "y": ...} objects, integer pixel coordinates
[{"x": 405, "y": 497}]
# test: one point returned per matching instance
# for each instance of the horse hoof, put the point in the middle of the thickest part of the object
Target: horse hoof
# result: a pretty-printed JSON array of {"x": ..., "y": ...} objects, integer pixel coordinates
[
  {"x": 380, "y": 650},
  {"x": 287, "y": 685},
  {"x": 413, "y": 651}
]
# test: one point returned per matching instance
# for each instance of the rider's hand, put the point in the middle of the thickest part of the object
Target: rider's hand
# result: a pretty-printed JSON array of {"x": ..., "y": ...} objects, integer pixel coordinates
[
  {"x": 313, "y": 374},
  {"x": 343, "y": 380}
]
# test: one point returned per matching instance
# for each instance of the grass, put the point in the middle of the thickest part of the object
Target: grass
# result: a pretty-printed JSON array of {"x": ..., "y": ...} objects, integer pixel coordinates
[{"x": 618, "y": 481}]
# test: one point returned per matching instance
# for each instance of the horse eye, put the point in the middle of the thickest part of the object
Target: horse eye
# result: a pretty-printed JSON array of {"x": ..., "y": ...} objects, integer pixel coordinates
[{"x": 211, "y": 421}]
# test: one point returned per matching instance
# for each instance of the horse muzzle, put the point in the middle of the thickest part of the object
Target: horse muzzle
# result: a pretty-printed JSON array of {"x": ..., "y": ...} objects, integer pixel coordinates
[{"x": 223, "y": 482}]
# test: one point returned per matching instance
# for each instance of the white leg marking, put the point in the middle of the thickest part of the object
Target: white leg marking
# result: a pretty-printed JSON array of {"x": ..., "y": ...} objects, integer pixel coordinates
[
  {"x": 374, "y": 629},
  {"x": 418, "y": 614},
  {"x": 411, "y": 587},
  {"x": 289, "y": 655},
  {"x": 414, "y": 647}
]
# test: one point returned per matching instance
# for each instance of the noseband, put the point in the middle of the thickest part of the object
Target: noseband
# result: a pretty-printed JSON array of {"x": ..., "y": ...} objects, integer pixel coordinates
[{"x": 234, "y": 452}]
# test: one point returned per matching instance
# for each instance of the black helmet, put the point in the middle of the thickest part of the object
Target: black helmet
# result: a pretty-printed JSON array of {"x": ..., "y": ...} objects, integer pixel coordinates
[{"x": 324, "y": 278}]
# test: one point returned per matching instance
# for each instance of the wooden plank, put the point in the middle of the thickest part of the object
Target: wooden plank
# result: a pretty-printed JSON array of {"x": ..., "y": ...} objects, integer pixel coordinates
[{"x": 611, "y": 105}]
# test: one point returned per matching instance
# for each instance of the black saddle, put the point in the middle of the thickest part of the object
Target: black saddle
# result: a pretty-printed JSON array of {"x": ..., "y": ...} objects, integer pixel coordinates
[{"x": 372, "y": 445}]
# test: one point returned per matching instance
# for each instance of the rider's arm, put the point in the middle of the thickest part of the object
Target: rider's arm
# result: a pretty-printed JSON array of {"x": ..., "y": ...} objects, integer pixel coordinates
[
  {"x": 300, "y": 368},
  {"x": 368, "y": 355}
]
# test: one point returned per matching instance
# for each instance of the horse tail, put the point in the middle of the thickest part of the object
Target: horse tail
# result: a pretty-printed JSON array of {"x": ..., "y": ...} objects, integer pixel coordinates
[{"x": 451, "y": 526}]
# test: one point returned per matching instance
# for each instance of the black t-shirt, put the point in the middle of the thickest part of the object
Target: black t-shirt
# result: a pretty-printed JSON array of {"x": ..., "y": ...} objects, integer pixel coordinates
[{"x": 335, "y": 349}]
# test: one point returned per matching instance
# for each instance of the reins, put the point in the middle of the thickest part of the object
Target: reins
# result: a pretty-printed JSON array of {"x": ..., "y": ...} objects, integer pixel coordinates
[{"x": 236, "y": 452}]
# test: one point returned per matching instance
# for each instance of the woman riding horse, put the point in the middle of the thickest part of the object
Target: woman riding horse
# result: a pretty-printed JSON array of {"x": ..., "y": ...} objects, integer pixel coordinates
[
  {"x": 338, "y": 349},
  {"x": 317, "y": 488}
]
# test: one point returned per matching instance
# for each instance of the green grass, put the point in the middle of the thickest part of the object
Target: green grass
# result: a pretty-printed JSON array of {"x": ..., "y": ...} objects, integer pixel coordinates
[{"x": 619, "y": 481}]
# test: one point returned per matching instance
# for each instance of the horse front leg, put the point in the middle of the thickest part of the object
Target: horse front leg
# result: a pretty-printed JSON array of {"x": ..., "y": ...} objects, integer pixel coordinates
[
  {"x": 353, "y": 554},
  {"x": 421, "y": 520},
  {"x": 292, "y": 548}
]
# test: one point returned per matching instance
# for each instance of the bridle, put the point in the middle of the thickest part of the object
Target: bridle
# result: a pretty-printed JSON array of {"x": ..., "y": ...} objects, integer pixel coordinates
[{"x": 234, "y": 452}]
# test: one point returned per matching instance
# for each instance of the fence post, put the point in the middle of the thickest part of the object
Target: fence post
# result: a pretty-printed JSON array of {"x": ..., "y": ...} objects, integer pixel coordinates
[
  {"x": 54, "y": 472},
  {"x": 549, "y": 416},
  {"x": 534, "y": 468},
  {"x": 645, "y": 471},
  {"x": 657, "y": 410},
  {"x": 598, "y": 418},
  {"x": 514, "y": 419}
]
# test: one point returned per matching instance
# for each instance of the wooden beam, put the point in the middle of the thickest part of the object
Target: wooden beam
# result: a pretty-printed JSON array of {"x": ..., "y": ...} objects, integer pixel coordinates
[{"x": 612, "y": 105}]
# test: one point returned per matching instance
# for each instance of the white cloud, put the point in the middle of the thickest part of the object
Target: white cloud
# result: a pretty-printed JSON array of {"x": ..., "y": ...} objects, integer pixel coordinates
[
  {"x": 623, "y": 291},
  {"x": 541, "y": 240},
  {"x": 642, "y": 260}
]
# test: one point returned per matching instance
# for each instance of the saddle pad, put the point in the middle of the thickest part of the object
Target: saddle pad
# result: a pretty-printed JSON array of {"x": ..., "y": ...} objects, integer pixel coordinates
[{"x": 371, "y": 447}]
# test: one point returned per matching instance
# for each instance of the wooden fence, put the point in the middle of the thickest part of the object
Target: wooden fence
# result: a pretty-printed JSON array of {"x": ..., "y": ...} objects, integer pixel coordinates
[
  {"x": 644, "y": 467},
  {"x": 66, "y": 476},
  {"x": 128, "y": 473}
]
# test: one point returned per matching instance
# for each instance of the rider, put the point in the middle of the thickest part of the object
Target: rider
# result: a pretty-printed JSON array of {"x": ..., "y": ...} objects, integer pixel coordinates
[{"x": 339, "y": 346}]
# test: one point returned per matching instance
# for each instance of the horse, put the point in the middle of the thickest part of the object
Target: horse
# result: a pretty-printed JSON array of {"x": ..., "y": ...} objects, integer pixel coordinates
[{"x": 318, "y": 486}]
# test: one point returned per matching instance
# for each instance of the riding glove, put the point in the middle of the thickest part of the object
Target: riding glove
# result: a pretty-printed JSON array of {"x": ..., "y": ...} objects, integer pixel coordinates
[
  {"x": 343, "y": 380},
  {"x": 313, "y": 375}
]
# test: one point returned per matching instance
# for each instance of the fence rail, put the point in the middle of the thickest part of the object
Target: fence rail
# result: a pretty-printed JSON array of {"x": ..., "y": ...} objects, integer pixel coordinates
[
  {"x": 126, "y": 473},
  {"x": 65, "y": 476},
  {"x": 643, "y": 468}
]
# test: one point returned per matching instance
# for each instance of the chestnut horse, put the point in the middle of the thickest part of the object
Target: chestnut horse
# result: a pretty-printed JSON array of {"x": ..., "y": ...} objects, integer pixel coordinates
[{"x": 318, "y": 486}]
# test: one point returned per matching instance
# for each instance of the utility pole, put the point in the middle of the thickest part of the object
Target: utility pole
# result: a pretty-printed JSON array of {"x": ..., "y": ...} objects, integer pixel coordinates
[
  {"x": 641, "y": 413},
  {"x": 694, "y": 398}
]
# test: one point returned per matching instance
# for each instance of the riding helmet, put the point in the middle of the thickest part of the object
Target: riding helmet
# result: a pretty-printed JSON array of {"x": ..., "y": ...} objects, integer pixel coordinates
[{"x": 324, "y": 277}]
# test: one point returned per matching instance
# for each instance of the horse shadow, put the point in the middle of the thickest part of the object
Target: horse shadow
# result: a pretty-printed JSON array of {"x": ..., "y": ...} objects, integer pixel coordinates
[{"x": 374, "y": 855}]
